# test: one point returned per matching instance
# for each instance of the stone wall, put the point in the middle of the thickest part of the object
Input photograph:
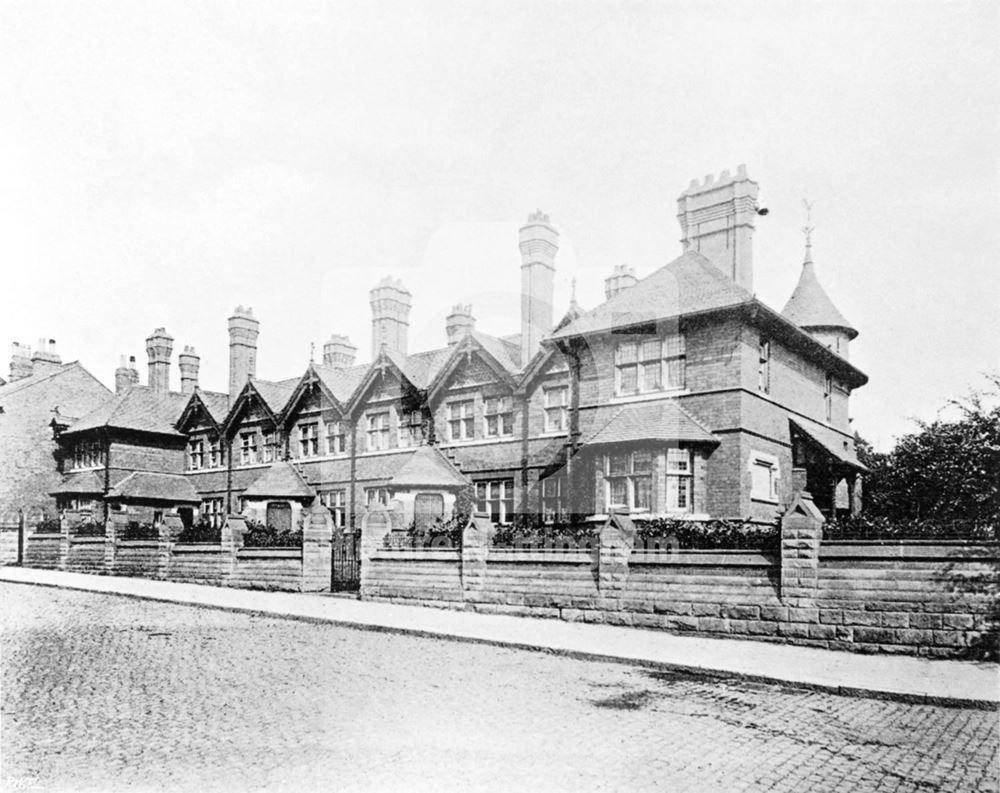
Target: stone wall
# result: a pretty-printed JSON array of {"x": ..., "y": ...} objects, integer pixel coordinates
[
  {"x": 9, "y": 532},
  {"x": 917, "y": 598}
]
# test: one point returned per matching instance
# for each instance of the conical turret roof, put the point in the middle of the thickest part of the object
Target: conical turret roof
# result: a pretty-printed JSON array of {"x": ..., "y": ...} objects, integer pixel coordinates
[{"x": 810, "y": 306}]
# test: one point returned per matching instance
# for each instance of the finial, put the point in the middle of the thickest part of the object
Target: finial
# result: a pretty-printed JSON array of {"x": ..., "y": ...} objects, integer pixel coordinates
[
  {"x": 808, "y": 230},
  {"x": 312, "y": 352},
  {"x": 572, "y": 294}
]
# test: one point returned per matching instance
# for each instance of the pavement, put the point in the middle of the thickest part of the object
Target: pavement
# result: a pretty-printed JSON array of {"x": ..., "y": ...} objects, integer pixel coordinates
[{"x": 897, "y": 677}]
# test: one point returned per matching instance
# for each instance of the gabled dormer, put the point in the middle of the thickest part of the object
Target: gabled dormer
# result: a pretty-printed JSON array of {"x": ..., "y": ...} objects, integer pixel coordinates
[
  {"x": 387, "y": 406},
  {"x": 253, "y": 426},
  {"x": 202, "y": 422}
]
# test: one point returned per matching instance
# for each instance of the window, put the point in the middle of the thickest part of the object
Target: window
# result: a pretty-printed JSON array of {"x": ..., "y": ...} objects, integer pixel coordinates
[
  {"x": 336, "y": 437},
  {"x": 495, "y": 497},
  {"x": 88, "y": 454},
  {"x": 411, "y": 428},
  {"x": 764, "y": 366},
  {"x": 553, "y": 493},
  {"x": 461, "y": 424},
  {"x": 211, "y": 510},
  {"x": 248, "y": 448},
  {"x": 499, "y": 417},
  {"x": 763, "y": 477},
  {"x": 216, "y": 454},
  {"x": 650, "y": 365},
  {"x": 308, "y": 440},
  {"x": 270, "y": 447},
  {"x": 680, "y": 471},
  {"x": 556, "y": 410},
  {"x": 629, "y": 479},
  {"x": 336, "y": 502},
  {"x": 828, "y": 398},
  {"x": 377, "y": 495},
  {"x": 196, "y": 455},
  {"x": 378, "y": 431}
]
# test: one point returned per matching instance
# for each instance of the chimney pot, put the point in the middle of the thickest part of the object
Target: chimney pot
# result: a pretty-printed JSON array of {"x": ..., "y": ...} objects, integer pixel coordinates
[
  {"x": 338, "y": 352},
  {"x": 459, "y": 323}
]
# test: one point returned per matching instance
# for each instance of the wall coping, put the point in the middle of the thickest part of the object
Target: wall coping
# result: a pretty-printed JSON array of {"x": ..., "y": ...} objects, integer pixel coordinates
[
  {"x": 951, "y": 552},
  {"x": 138, "y": 543},
  {"x": 197, "y": 548},
  {"x": 45, "y": 536},
  {"x": 98, "y": 540},
  {"x": 553, "y": 556},
  {"x": 422, "y": 555},
  {"x": 721, "y": 557},
  {"x": 266, "y": 553}
]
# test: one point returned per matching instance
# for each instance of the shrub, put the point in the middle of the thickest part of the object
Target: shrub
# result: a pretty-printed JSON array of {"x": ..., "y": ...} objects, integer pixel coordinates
[
  {"x": 881, "y": 528},
  {"x": 48, "y": 526},
  {"x": 258, "y": 535},
  {"x": 202, "y": 531},
  {"x": 89, "y": 528},
  {"x": 139, "y": 531}
]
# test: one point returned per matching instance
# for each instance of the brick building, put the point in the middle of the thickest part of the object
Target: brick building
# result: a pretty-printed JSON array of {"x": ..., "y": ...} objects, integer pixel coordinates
[
  {"x": 682, "y": 394},
  {"x": 39, "y": 390}
]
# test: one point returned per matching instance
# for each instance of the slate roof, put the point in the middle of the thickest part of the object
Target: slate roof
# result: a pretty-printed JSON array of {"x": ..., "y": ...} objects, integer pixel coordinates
[
  {"x": 15, "y": 386},
  {"x": 811, "y": 307},
  {"x": 382, "y": 466},
  {"x": 342, "y": 383},
  {"x": 216, "y": 403},
  {"x": 428, "y": 467},
  {"x": 139, "y": 408},
  {"x": 275, "y": 393},
  {"x": 831, "y": 443},
  {"x": 83, "y": 482},
  {"x": 280, "y": 480},
  {"x": 506, "y": 354},
  {"x": 155, "y": 487},
  {"x": 662, "y": 420},
  {"x": 687, "y": 285}
]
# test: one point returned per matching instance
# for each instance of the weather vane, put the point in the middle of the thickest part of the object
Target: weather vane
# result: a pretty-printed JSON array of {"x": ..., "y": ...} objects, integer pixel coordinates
[{"x": 808, "y": 228}]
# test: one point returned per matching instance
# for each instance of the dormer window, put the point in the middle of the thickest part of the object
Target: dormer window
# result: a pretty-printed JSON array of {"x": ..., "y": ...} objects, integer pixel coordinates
[
  {"x": 308, "y": 440},
  {"x": 461, "y": 422},
  {"x": 248, "y": 448},
  {"x": 499, "y": 417},
  {"x": 378, "y": 431},
  {"x": 336, "y": 437},
  {"x": 196, "y": 455}
]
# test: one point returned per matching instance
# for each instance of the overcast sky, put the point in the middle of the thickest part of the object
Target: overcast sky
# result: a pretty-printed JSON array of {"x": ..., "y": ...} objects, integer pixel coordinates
[{"x": 163, "y": 162}]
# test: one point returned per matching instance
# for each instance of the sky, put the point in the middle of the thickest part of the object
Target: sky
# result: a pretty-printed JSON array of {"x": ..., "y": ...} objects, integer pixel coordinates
[{"x": 163, "y": 162}]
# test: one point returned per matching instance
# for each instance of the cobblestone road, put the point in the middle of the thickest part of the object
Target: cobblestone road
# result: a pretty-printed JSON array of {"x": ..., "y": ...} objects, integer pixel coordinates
[{"x": 106, "y": 693}]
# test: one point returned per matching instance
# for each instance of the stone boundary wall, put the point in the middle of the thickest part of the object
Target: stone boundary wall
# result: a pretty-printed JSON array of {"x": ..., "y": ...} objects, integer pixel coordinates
[
  {"x": 8, "y": 542},
  {"x": 163, "y": 558},
  {"x": 915, "y": 598}
]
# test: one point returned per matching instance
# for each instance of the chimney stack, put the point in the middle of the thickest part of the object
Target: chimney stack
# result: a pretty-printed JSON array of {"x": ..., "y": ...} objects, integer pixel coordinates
[
  {"x": 390, "y": 302},
  {"x": 717, "y": 220},
  {"x": 20, "y": 362},
  {"x": 459, "y": 322},
  {"x": 338, "y": 352},
  {"x": 188, "y": 362},
  {"x": 539, "y": 243},
  {"x": 133, "y": 370},
  {"x": 622, "y": 277},
  {"x": 45, "y": 359},
  {"x": 123, "y": 377},
  {"x": 159, "y": 347},
  {"x": 243, "y": 332}
]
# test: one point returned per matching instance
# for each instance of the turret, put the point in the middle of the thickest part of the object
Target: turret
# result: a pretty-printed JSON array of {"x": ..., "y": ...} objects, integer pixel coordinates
[
  {"x": 717, "y": 220},
  {"x": 539, "y": 243}
]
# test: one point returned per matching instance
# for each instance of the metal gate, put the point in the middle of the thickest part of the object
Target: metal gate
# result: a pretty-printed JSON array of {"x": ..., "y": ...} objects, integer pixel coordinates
[{"x": 346, "y": 574}]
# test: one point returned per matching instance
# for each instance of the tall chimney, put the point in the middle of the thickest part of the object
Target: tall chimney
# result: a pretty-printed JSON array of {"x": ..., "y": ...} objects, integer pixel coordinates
[
  {"x": 338, "y": 352},
  {"x": 717, "y": 220},
  {"x": 539, "y": 245},
  {"x": 243, "y": 332},
  {"x": 123, "y": 377},
  {"x": 133, "y": 370},
  {"x": 188, "y": 362},
  {"x": 622, "y": 277},
  {"x": 159, "y": 347},
  {"x": 390, "y": 302},
  {"x": 20, "y": 361},
  {"x": 459, "y": 322}
]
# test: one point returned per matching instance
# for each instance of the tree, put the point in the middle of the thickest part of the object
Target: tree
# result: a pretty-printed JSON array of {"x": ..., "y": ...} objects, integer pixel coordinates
[{"x": 947, "y": 470}]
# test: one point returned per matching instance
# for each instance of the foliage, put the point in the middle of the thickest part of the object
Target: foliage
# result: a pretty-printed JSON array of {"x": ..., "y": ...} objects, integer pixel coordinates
[
  {"x": 868, "y": 526},
  {"x": 89, "y": 528},
  {"x": 139, "y": 531},
  {"x": 258, "y": 535},
  {"x": 530, "y": 531},
  {"x": 438, "y": 534},
  {"x": 707, "y": 534},
  {"x": 948, "y": 470},
  {"x": 202, "y": 531},
  {"x": 48, "y": 526}
]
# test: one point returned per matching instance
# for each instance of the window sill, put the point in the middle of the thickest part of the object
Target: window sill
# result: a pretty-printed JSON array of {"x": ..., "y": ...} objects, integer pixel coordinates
[
  {"x": 760, "y": 500},
  {"x": 648, "y": 396}
]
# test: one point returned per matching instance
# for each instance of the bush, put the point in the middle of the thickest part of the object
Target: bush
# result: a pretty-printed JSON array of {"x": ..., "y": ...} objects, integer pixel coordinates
[
  {"x": 48, "y": 526},
  {"x": 202, "y": 531},
  {"x": 139, "y": 531},
  {"x": 707, "y": 535},
  {"x": 89, "y": 528},
  {"x": 880, "y": 528},
  {"x": 258, "y": 535}
]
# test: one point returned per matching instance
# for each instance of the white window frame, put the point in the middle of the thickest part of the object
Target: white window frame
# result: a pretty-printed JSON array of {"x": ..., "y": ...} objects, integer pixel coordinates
[
  {"x": 377, "y": 434},
  {"x": 462, "y": 420},
  {"x": 196, "y": 454},
  {"x": 216, "y": 453},
  {"x": 680, "y": 464},
  {"x": 499, "y": 492},
  {"x": 764, "y": 468},
  {"x": 662, "y": 359},
  {"x": 501, "y": 411},
  {"x": 378, "y": 495},
  {"x": 309, "y": 439},
  {"x": 553, "y": 497},
  {"x": 336, "y": 502},
  {"x": 248, "y": 448},
  {"x": 336, "y": 437},
  {"x": 411, "y": 428},
  {"x": 269, "y": 451},
  {"x": 630, "y": 478},
  {"x": 556, "y": 412}
]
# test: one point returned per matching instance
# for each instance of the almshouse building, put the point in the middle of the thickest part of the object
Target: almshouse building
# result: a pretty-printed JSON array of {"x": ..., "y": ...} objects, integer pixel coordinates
[{"x": 680, "y": 395}]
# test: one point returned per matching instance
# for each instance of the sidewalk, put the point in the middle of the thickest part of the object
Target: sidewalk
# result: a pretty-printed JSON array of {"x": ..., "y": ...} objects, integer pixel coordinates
[{"x": 888, "y": 676}]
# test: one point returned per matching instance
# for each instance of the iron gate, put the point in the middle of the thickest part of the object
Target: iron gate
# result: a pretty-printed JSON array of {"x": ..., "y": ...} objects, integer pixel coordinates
[{"x": 346, "y": 573}]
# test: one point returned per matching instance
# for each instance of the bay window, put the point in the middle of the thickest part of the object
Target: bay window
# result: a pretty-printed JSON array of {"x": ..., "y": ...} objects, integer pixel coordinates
[
  {"x": 680, "y": 475},
  {"x": 628, "y": 480}
]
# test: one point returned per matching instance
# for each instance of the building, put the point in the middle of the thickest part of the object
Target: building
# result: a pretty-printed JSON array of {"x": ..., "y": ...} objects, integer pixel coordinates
[
  {"x": 39, "y": 390},
  {"x": 681, "y": 395}
]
